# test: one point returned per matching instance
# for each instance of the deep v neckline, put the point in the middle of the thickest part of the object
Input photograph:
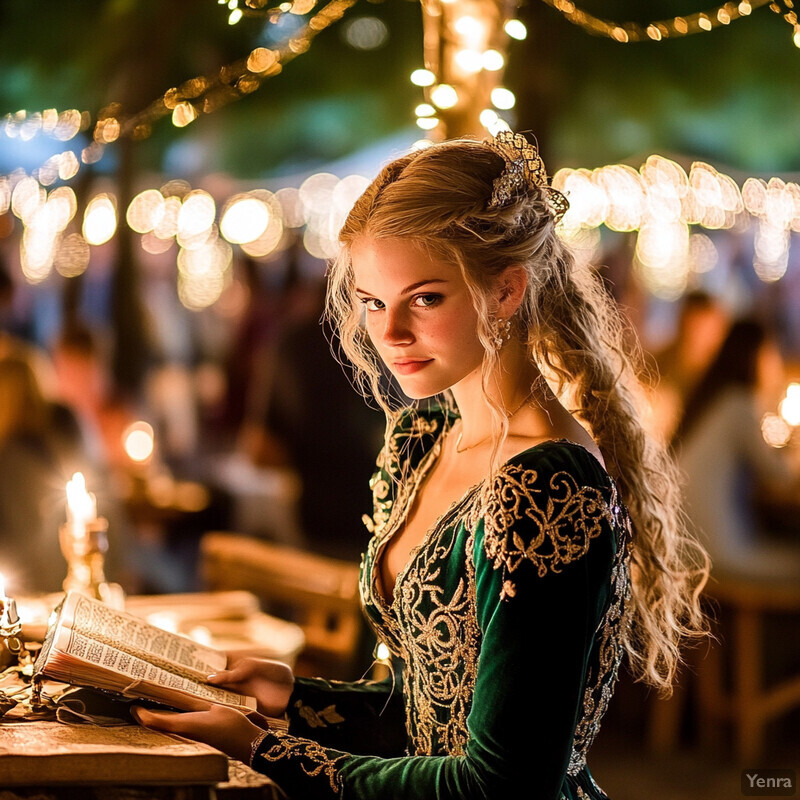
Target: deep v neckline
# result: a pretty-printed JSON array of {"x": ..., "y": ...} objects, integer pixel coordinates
[{"x": 419, "y": 475}]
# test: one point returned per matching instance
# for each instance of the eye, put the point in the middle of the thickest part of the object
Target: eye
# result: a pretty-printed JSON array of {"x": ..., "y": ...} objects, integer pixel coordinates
[
  {"x": 371, "y": 303},
  {"x": 427, "y": 300}
]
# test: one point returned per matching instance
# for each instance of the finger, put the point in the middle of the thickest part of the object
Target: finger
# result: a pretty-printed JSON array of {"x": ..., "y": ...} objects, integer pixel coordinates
[
  {"x": 163, "y": 720},
  {"x": 258, "y": 719},
  {"x": 223, "y": 676}
]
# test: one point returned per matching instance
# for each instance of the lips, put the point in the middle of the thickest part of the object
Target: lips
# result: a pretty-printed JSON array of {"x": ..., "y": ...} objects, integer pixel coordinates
[{"x": 410, "y": 366}]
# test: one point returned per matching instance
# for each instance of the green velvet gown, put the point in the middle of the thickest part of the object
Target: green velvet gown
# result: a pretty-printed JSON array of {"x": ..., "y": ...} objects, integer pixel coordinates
[{"x": 506, "y": 622}]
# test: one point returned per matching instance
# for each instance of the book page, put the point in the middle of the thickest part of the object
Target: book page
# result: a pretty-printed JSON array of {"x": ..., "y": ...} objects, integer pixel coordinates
[
  {"x": 138, "y": 638},
  {"x": 106, "y": 667}
]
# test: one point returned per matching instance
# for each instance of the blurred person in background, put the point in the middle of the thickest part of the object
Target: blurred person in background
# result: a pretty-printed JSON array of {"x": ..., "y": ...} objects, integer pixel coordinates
[
  {"x": 316, "y": 424},
  {"x": 724, "y": 456},
  {"x": 12, "y": 342},
  {"x": 702, "y": 324},
  {"x": 85, "y": 386},
  {"x": 39, "y": 451}
]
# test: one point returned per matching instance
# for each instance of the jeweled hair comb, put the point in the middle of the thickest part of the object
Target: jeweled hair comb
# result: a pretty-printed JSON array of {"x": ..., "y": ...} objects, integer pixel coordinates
[{"x": 523, "y": 166}]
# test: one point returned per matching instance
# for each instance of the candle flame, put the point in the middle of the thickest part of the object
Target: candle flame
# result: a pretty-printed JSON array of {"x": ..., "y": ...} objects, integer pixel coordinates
[{"x": 80, "y": 504}]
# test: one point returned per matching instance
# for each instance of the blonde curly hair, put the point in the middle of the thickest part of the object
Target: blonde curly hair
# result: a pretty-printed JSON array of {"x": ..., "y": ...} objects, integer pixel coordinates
[{"x": 439, "y": 198}]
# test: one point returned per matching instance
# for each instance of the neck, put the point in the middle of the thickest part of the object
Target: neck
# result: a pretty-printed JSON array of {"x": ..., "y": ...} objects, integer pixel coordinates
[{"x": 509, "y": 387}]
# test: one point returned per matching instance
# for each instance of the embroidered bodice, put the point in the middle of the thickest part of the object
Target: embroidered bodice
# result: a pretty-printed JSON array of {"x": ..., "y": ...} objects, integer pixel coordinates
[{"x": 506, "y": 621}]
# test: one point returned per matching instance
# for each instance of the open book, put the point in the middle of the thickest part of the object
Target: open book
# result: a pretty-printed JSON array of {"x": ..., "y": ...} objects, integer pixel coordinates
[{"x": 91, "y": 644}]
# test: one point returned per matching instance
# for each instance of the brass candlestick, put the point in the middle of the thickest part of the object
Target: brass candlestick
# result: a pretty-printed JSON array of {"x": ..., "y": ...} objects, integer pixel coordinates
[
  {"x": 85, "y": 554},
  {"x": 10, "y": 625}
]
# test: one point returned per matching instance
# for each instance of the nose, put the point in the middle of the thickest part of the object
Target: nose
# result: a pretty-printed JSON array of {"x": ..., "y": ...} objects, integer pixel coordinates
[{"x": 396, "y": 328}]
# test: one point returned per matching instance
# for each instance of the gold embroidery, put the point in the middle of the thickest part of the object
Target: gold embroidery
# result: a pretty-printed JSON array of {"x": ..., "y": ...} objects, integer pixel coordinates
[
  {"x": 434, "y": 630},
  {"x": 602, "y": 675},
  {"x": 318, "y": 719},
  {"x": 314, "y": 759},
  {"x": 566, "y": 516},
  {"x": 440, "y": 643}
]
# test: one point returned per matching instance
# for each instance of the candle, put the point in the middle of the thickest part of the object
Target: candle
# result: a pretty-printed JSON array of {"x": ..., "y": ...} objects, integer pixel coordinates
[
  {"x": 8, "y": 606},
  {"x": 81, "y": 505}
]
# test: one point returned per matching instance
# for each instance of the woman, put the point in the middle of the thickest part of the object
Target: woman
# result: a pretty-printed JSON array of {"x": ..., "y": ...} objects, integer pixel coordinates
[
  {"x": 723, "y": 453},
  {"x": 498, "y": 572}
]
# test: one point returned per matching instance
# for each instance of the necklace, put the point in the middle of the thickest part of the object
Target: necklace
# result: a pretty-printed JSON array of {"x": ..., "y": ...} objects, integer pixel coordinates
[{"x": 509, "y": 415}]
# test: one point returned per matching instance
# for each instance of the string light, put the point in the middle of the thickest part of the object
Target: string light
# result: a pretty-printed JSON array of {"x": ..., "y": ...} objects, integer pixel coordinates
[
  {"x": 662, "y": 202},
  {"x": 516, "y": 29},
  {"x": 423, "y": 77},
  {"x": 503, "y": 98},
  {"x": 444, "y": 96},
  {"x": 699, "y": 22}
]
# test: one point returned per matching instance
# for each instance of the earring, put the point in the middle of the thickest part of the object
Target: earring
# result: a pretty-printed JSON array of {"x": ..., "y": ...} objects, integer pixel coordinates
[{"x": 500, "y": 331}]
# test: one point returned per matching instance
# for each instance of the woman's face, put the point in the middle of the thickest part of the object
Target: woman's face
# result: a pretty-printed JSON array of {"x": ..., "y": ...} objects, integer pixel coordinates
[{"x": 419, "y": 315}]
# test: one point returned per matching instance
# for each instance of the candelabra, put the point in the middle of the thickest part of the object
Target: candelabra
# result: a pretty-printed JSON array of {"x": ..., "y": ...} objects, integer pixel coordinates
[
  {"x": 84, "y": 551},
  {"x": 10, "y": 625}
]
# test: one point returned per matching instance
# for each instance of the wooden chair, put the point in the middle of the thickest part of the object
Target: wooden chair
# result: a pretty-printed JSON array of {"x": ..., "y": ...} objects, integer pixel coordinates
[
  {"x": 319, "y": 593},
  {"x": 744, "y": 700}
]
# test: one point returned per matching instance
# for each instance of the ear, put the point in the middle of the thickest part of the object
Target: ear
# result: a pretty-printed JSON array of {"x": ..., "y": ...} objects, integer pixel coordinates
[{"x": 509, "y": 290}]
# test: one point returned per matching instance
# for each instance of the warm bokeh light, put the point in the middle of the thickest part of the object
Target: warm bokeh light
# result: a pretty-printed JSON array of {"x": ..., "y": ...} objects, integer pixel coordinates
[
  {"x": 444, "y": 96},
  {"x": 423, "y": 77},
  {"x": 502, "y": 98},
  {"x": 383, "y": 653},
  {"x": 790, "y": 405},
  {"x": 493, "y": 60},
  {"x": 183, "y": 114},
  {"x": 470, "y": 61},
  {"x": 516, "y": 29},
  {"x": 775, "y": 430},
  {"x": 427, "y": 123},
  {"x": 139, "y": 441},
  {"x": 262, "y": 59},
  {"x": 244, "y": 219},
  {"x": 68, "y": 165},
  {"x": 470, "y": 28},
  {"x": 145, "y": 211},
  {"x": 203, "y": 273},
  {"x": 167, "y": 226},
  {"x": 195, "y": 217},
  {"x": 68, "y": 125},
  {"x": 72, "y": 256},
  {"x": 37, "y": 251},
  {"x": 100, "y": 220},
  {"x": 291, "y": 206},
  {"x": 488, "y": 117},
  {"x": 26, "y": 198},
  {"x": 316, "y": 195}
]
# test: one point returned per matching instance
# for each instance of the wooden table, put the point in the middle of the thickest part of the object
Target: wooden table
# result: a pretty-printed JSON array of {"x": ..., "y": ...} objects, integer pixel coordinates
[{"x": 45, "y": 759}]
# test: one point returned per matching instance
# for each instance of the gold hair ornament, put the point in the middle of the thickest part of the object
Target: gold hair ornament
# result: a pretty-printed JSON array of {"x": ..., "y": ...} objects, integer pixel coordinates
[{"x": 524, "y": 166}]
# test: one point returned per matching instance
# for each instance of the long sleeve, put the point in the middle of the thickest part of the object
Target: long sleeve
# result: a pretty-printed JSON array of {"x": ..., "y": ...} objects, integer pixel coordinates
[
  {"x": 539, "y": 579},
  {"x": 359, "y": 717}
]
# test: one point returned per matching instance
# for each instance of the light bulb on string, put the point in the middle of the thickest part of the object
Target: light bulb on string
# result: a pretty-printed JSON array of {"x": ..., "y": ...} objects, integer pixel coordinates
[{"x": 444, "y": 96}]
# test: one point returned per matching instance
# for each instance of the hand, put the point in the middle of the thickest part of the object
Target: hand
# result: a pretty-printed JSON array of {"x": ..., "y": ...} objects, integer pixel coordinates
[
  {"x": 224, "y": 728},
  {"x": 270, "y": 682}
]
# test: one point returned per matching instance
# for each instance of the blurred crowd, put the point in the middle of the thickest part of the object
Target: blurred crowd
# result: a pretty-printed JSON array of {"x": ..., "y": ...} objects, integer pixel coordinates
[
  {"x": 263, "y": 434},
  {"x": 266, "y": 437}
]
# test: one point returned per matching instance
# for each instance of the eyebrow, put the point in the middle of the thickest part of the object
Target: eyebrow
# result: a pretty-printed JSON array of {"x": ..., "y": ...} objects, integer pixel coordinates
[{"x": 412, "y": 287}]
